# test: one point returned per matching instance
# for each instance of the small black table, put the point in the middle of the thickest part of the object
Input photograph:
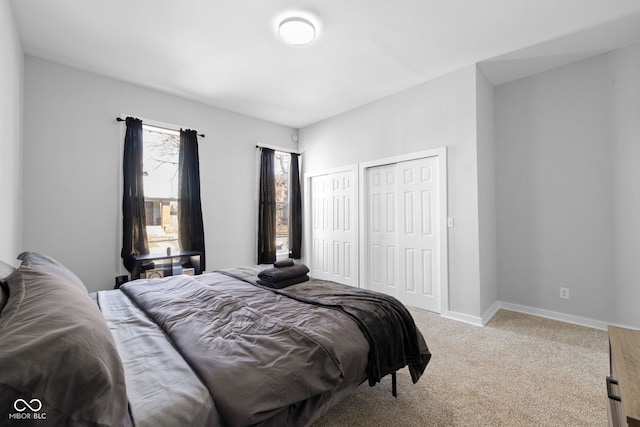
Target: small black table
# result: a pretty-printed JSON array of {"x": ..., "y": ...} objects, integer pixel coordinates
[{"x": 166, "y": 263}]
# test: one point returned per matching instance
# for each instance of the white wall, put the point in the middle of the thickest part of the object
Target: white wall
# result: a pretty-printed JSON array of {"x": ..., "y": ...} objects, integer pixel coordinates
[
  {"x": 11, "y": 88},
  {"x": 72, "y": 157},
  {"x": 563, "y": 173},
  {"x": 438, "y": 113},
  {"x": 485, "y": 116},
  {"x": 567, "y": 188}
]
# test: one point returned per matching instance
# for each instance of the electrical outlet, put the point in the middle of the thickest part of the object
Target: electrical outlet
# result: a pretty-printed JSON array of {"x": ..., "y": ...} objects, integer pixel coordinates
[{"x": 564, "y": 293}]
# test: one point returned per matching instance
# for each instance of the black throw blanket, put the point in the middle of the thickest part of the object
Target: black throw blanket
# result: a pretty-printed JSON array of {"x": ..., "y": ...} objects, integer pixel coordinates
[{"x": 394, "y": 340}]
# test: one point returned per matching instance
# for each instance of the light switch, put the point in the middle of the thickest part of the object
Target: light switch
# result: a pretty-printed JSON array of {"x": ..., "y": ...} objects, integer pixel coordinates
[{"x": 450, "y": 222}]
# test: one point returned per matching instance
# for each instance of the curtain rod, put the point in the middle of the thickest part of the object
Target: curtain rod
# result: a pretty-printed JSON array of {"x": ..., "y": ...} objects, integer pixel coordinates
[
  {"x": 118, "y": 119},
  {"x": 281, "y": 149}
]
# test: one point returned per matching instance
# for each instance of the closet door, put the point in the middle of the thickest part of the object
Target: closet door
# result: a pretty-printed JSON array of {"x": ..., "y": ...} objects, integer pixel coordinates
[
  {"x": 333, "y": 227},
  {"x": 403, "y": 237},
  {"x": 418, "y": 236},
  {"x": 382, "y": 229}
]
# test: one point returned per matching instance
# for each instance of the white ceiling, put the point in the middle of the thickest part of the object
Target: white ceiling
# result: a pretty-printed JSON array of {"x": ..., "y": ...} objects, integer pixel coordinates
[{"x": 226, "y": 53}]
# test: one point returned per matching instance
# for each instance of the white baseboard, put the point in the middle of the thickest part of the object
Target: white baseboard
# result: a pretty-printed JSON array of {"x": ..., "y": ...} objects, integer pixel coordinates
[
  {"x": 473, "y": 320},
  {"x": 461, "y": 317},
  {"x": 491, "y": 311},
  {"x": 548, "y": 314},
  {"x": 554, "y": 315}
]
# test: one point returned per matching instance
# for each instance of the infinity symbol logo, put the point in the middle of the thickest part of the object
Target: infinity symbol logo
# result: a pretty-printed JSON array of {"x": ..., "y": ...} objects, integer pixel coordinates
[{"x": 21, "y": 405}]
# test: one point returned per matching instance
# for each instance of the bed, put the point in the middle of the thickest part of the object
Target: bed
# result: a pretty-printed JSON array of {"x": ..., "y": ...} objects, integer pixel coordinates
[{"x": 215, "y": 349}]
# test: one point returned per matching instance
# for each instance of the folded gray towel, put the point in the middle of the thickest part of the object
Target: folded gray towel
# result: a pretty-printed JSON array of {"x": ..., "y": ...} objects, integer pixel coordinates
[
  {"x": 284, "y": 283},
  {"x": 275, "y": 274},
  {"x": 284, "y": 263}
]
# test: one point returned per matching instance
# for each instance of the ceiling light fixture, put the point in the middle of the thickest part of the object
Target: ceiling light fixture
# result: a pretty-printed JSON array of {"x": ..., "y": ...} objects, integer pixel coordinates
[{"x": 297, "y": 31}]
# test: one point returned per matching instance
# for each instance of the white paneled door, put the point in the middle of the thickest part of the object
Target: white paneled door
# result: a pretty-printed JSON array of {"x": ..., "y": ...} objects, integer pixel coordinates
[
  {"x": 403, "y": 235},
  {"x": 382, "y": 229},
  {"x": 333, "y": 227}
]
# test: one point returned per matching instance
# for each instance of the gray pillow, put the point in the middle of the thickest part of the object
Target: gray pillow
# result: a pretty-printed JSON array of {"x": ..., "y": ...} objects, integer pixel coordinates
[
  {"x": 57, "y": 348},
  {"x": 45, "y": 263}
]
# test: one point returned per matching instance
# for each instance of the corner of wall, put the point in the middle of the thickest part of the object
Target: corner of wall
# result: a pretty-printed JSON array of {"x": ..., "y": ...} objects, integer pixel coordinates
[
  {"x": 11, "y": 125},
  {"x": 487, "y": 226}
]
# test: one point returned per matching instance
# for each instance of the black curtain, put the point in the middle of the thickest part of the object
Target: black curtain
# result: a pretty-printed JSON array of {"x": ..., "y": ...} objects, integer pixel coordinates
[
  {"x": 190, "y": 224},
  {"x": 134, "y": 232},
  {"x": 267, "y": 209},
  {"x": 295, "y": 209}
]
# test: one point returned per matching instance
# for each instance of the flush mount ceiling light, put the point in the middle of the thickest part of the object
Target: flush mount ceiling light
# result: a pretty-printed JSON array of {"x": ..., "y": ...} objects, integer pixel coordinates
[{"x": 297, "y": 31}]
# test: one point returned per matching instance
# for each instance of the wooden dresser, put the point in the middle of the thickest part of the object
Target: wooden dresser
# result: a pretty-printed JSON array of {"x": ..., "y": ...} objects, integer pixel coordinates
[{"x": 623, "y": 386}]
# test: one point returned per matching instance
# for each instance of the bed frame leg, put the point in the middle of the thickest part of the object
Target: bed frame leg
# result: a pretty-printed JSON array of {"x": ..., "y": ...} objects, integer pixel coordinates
[{"x": 394, "y": 390}]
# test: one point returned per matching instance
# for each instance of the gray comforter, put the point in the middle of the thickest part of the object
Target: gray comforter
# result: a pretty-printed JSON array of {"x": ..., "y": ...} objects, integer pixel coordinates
[
  {"x": 161, "y": 387},
  {"x": 265, "y": 358},
  {"x": 270, "y": 357},
  {"x": 394, "y": 340}
]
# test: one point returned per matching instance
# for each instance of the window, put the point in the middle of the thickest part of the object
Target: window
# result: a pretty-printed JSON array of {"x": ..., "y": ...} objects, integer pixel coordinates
[
  {"x": 279, "y": 206},
  {"x": 166, "y": 163},
  {"x": 282, "y": 163},
  {"x": 160, "y": 171}
]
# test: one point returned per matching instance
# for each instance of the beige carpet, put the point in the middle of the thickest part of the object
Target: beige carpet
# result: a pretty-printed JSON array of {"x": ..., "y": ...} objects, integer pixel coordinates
[{"x": 518, "y": 370}]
